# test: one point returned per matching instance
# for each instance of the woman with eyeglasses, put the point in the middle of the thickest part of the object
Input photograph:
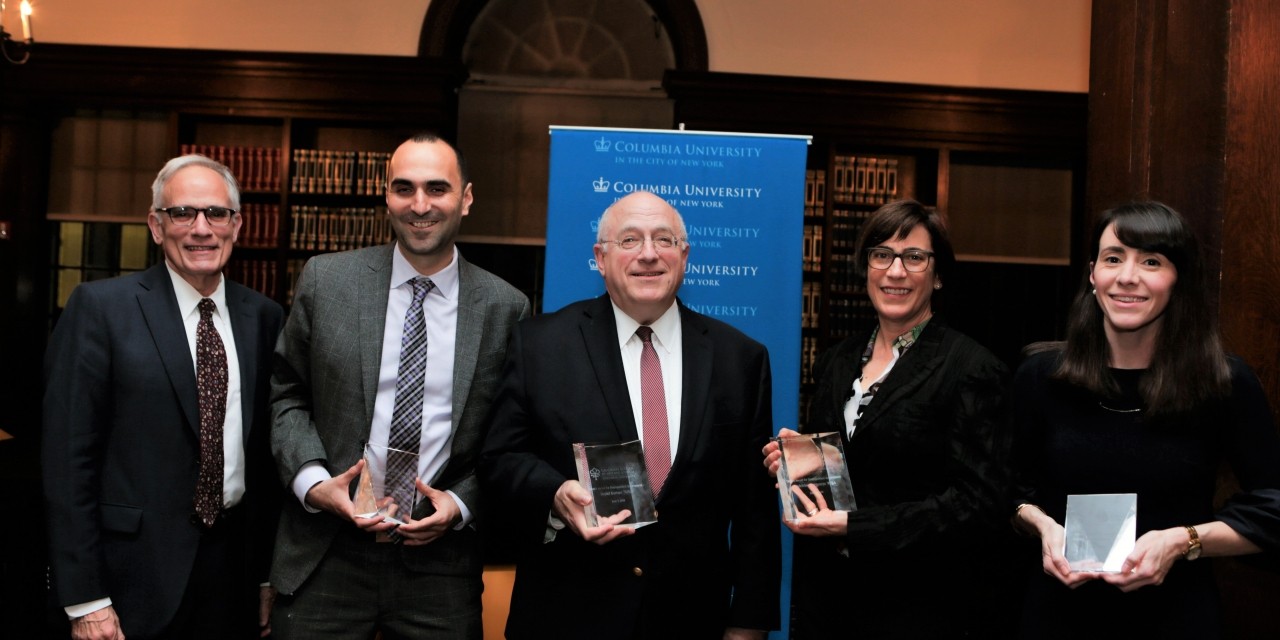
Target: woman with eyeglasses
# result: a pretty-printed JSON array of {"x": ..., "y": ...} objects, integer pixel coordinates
[
  {"x": 1141, "y": 398},
  {"x": 921, "y": 410}
]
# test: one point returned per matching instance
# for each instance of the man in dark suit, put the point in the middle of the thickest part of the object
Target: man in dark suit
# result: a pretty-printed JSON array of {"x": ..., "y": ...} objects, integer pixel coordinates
[
  {"x": 157, "y": 471},
  {"x": 346, "y": 375},
  {"x": 709, "y": 566}
]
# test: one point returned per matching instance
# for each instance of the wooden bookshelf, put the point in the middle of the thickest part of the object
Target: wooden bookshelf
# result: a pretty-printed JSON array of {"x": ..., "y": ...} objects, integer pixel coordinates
[
  {"x": 1005, "y": 168},
  {"x": 103, "y": 120}
]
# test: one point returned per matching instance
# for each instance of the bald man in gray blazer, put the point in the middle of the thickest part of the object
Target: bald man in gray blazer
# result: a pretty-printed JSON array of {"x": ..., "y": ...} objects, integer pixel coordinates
[{"x": 341, "y": 575}]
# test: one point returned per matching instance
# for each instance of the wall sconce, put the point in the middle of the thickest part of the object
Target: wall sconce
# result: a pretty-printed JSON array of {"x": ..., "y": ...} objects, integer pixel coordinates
[{"x": 16, "y": 51}]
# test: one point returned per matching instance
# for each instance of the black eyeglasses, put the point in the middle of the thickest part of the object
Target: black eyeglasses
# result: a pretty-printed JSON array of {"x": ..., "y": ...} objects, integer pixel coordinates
[
  {"x": 186, "y": 216},
  {"x": 913, "y": 260}
]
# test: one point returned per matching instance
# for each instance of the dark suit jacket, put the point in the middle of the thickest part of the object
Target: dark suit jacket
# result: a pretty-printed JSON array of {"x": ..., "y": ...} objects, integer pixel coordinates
[
  {"x": 326, "y": 380},
  {"x": 928, "y": 464},
  {"x": 121, "y": 443},
  {"x": 712, "y": 559}
]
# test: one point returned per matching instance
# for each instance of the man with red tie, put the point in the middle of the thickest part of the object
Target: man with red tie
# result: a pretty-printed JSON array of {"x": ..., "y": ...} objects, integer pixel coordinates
[{"x": 632, "y": 364}]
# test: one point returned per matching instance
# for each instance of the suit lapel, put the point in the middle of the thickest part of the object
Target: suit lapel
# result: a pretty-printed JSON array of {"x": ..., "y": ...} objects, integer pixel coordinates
[
  {"x": 242, "y": 328},
  {"x": 600, "y": 336},
  {"x": 471, "y": 323},
  {"x": 374, "y": 284},
  {"x": 697, "y": 355},
  {"x": 912, "y": 370},
  {"x": 159, "y": 308},
  {"x": 844, "y": 370}
]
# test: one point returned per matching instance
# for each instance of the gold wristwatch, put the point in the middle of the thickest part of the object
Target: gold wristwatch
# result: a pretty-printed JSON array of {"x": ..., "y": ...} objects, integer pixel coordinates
[{"x": 1193, "y": 544}]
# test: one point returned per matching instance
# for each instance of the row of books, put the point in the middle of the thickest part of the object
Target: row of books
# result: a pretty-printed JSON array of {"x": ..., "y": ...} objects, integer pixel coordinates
[
  {"x": 260, "y": 225},
  {"x": 815, "y": 190},
  {"x": 846, "y": 225},
  {"x": 257, "y": 274},
  {"x": 263, "y": 276},
  {"x": 847, "y": 315},
  {"x": 808, "y": 356},
  {"x": 255, "y": 168},
  {"x": 863, "y": 180},
  {"x": 812, "y": 252},
  {"x": 811, "y": 305},
  {"x": 338, "y": 228},
  {"x": 339, "y": 172}
]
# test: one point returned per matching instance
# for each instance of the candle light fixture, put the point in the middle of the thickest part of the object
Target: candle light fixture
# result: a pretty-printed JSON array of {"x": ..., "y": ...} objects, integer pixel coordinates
[{"x": 16, "y": 51}]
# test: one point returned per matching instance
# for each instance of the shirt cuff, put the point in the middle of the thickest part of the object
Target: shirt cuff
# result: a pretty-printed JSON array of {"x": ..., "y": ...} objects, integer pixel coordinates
[
  {"x": 311, "y": 474},
  {"x": 462, "y": 508},
  {"x": 554, "y": 525},
  {"x": 85, "y": 608}
]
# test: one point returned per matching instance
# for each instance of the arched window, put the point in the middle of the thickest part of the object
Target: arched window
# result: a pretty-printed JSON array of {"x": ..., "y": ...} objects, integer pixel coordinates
[{"x": 536, "y": 63}]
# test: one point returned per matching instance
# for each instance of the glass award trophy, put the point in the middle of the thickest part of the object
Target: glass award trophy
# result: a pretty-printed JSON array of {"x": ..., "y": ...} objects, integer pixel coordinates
[
  {"x": 617, "y": 479},
  {"x": 372, "y": 498},
  {"x": 1100, "y": 530},
  {"x": 813, "y": 462}
]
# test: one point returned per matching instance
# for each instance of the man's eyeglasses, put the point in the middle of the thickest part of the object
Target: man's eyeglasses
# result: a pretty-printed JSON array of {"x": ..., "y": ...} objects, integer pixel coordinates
[
  {"x": 913, "y": 260},
  {"x": 186, "y": 216},
  {"x": 633, "y": 243}
]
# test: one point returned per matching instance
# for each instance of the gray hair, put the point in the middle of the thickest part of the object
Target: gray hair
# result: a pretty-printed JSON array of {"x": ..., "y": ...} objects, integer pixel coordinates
[{"x": 193, "y": 160}]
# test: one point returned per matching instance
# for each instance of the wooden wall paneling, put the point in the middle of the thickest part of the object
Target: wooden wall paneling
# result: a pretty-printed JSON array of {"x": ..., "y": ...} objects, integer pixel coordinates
[
  {"x": 232, "y": 82},
  {"x": 1157, "y": 117},
  {"x": 1182, "y": 109},
  {"x": 879, "y": 112},
  {"x": 1251, "y": 216},
  {"x": 1250, "y": 261},
  {"x": 934, "y": 122}
]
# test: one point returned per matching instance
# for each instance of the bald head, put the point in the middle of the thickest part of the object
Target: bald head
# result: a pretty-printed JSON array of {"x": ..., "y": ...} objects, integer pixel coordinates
[
  {"x": 642, "y": 203},
  {"x": 643, "y": 279}
]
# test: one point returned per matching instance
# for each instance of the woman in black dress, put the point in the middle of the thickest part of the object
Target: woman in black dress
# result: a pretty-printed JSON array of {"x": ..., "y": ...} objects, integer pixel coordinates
[
  {"x": 1141, "y": 398},
  {"x": 921, "y": 410}
]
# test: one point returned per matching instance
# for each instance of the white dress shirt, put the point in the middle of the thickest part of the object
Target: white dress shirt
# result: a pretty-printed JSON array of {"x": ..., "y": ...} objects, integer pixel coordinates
[
  {"x": 667, "y": 342},
  {"x": 233, "y": 426},
  {"x": 441, "y": 314}
]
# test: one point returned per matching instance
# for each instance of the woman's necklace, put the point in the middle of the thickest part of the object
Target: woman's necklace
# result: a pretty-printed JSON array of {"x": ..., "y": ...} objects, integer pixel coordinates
[{"x": 1113, "y": 410}]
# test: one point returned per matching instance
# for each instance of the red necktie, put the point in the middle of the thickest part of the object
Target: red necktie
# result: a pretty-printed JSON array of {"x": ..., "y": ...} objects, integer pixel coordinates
[
  {"x": 211, "y": 385},
  {"x": 653, "y": 404}
]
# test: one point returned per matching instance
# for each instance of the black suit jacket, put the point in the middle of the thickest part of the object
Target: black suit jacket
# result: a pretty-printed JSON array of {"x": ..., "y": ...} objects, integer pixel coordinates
[
  {"x": 926, "y": 549},
  {"x": 121, "y": 444},
  {"x": 712, "y": 559}
]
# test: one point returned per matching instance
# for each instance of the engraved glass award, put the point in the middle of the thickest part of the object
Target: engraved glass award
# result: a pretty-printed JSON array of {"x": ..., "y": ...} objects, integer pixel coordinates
[
  {"x": 373, "y": 498},
  {"x": 617, "y": 479},
  {"x": 813, "y": 464},
  {"x": 1100, "y": 530}
]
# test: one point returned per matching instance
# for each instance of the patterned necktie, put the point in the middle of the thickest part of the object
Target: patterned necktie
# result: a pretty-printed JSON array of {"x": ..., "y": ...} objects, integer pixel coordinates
[
  {"x": 211, "y": 385},
  {"x": 653, "y": 405},
  {"x": 406, "y": 418}
]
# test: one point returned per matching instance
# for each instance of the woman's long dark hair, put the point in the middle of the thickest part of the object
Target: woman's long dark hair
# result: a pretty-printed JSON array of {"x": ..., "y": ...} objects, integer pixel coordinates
[{"x": 1189, "y": 366}]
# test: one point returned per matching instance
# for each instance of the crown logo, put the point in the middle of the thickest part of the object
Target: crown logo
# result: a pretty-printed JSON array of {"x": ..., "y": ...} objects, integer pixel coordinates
[
  {"x": 603, "y": 145},
  {"x": 601, "y": 185}
]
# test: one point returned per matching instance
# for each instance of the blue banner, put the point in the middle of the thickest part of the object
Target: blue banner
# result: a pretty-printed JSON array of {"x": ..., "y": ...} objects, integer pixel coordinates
[{"x": 742, "y": 200}]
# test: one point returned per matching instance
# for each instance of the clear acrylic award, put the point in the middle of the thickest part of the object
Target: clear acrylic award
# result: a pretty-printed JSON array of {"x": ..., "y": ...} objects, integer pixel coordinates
[
  {"x": 810, "y": 463},
  {"x": 1100, "y": 530},
  {"x": 372, "y": 498},
  {"x": 616, "y": 476}
]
